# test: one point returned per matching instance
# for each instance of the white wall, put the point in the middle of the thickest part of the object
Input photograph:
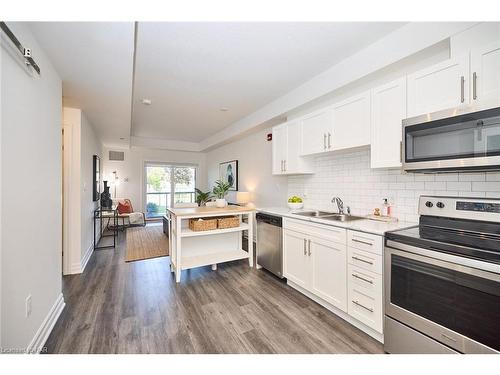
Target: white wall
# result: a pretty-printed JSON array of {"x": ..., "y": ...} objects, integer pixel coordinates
[
  {"x": 131, "y": 171},
  {"x": 255, "y": 170},
  {"x": 90, "y": 146},
  {"x": 80, "y": 145},
  {"x": 30, "y": 191}
]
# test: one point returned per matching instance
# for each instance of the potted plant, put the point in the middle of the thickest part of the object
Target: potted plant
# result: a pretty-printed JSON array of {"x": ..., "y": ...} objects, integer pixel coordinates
[
  {"x": 202, "y": 197},
  {"x": 220, "y": 191}
]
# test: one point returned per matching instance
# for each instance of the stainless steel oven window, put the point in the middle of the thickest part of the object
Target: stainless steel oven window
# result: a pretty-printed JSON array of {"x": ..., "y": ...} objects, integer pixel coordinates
[{"x": 457, "y": 305}]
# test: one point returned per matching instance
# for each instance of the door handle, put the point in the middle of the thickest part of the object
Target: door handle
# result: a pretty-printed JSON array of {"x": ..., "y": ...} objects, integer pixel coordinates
[
  {"x": 305, "y": 244},
  {"x": 462, "y": 89},
  {"x": 363, "y": 306},
  {"x": 309, "y": 247},
  {"x": 284, "y": 165},
  {"x": 474, "y": 85},
  {"x": 362, "y": 278},
  {"x": 401, "y": 151},
  {"x": 362, "y": 260},
  {"x": 329, "y": 140},
  {"x": 363, "y": 242},
  {"x": 324, "y": 141}
]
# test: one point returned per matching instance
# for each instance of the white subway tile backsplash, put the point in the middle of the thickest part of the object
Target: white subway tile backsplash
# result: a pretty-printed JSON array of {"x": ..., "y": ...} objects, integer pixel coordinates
[
  {"x": 472, "y": 177},
  {"x": 461, "y": 186},
  {"x": 447, "y": 177},
  {"x": 441, "y": 185},
  {"x": 486, "y": 186},
  {"x": 425, "y": 177},
  {"x": 347, "y": 174},
  {"x": 493, "y": 176}
]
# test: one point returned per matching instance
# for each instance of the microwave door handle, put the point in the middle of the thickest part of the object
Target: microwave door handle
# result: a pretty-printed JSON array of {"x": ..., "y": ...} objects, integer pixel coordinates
[
  {"x": 474, "y": 85},
  {"x": 462, "y": 89}
]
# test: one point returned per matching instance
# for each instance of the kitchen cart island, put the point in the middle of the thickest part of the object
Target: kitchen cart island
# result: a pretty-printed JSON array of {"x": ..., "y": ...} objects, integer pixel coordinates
[{"x": 190, "y": 248}]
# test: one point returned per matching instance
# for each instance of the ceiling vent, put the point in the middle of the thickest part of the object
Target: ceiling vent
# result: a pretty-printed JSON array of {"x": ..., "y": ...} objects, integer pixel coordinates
[{"x": 117, "y": 155}]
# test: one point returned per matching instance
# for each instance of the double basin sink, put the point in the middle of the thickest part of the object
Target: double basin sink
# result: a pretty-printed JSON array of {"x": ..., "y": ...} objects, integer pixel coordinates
[{"x": 329, "y": 216}]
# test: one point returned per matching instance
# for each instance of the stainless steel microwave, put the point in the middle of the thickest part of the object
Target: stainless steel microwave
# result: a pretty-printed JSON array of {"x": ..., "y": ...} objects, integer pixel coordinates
[{"x": 462, "y": 139}]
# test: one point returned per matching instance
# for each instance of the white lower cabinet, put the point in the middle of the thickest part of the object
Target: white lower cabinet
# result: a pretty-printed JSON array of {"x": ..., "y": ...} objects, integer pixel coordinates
[
  {"x": 297, "y": 262},
  {"x": 341, "y": 267},
  {"x": 329, "y": 271},
  {"x": 364, "y": 289},
  {"x": 318, "y": 265}
]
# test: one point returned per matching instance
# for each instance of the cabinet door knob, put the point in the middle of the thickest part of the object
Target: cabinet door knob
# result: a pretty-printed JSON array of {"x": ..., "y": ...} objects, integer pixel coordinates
[
  {"x": 329, "y": 140},
  {"x": 324, "y": 141}
]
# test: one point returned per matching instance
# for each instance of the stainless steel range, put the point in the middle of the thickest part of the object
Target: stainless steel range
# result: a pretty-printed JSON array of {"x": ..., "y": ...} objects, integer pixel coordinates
[{"x": 442, "y": 279}]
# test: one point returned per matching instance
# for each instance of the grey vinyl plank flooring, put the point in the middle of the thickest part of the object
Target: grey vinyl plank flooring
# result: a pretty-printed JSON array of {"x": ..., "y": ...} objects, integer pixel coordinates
[{"x": 136, "y": 307}]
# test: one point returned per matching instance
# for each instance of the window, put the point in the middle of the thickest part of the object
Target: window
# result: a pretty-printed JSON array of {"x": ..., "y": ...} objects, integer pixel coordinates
[{"x": 167, "y": 185}]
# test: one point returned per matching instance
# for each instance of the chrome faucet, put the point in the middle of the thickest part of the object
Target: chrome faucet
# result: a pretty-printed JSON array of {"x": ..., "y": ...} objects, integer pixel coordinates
[{"x": 340, "y": 205}]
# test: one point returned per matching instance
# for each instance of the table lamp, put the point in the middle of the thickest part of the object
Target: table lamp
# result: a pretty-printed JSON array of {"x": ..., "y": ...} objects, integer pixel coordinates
[{"x": 243, "y": 198}]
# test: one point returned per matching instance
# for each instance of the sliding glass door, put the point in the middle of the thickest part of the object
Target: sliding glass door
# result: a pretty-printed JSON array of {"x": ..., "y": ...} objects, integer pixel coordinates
[{"x": 166, "y": 185}]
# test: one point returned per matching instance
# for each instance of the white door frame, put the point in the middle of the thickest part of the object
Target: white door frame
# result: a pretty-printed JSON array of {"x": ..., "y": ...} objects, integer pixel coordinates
[{"x": 71, "y": 199}]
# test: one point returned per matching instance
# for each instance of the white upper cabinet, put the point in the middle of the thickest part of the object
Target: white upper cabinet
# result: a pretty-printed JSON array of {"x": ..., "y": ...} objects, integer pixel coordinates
[
  {"x": 280, "y": 144},
  {"x": 388, "y": 107},
  {"x": 317, "y": 132},
  {"x": 442, "y": 86},
  {"x": 351, "y": 122},
  {"x": 485, "y": 71},
  {"x": 287, "y": 150}
]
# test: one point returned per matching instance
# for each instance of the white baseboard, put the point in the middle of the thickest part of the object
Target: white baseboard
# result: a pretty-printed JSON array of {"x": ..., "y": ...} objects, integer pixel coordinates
[
  {"x": 79, "y": 266},
  {"x": 41, "y": 336},
  {"x": 349, "y": 319},
  {"x": 86, "y": 257}
]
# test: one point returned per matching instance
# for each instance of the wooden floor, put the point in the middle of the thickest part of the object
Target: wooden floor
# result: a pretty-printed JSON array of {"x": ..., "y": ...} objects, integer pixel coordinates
[{"x": 118, "y": 307}]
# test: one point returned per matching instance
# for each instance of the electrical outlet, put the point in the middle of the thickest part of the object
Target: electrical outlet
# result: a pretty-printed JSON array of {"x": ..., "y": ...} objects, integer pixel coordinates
[{"x": 28, "y": 306}]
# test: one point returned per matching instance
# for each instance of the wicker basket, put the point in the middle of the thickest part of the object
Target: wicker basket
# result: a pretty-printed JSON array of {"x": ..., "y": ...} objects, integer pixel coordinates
[
  {"x": 198, "y": 225},
  {"x": 228, "y": 222}
]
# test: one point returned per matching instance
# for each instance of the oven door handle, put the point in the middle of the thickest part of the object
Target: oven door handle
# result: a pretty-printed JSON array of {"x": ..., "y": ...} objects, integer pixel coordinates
[{"x": 443, "y": 260}]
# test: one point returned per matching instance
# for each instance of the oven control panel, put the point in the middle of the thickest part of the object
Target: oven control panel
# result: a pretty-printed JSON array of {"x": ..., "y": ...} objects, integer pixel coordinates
[
  {"x": 478, "y": 206},
  {"x": 484, "y": 209}
]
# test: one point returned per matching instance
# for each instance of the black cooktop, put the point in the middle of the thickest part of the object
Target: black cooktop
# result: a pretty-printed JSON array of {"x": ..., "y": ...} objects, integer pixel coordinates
[{"x": 468, "y": 238}]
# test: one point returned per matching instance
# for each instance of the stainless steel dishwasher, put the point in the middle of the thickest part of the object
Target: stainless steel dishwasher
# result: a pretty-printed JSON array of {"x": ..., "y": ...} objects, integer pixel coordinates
[{"x": 270, "y": 243}]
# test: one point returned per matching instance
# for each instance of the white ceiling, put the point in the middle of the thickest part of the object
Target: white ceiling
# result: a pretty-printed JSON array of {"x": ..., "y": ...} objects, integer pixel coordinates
[
  {"x": 190, "y": 70},
  {"x": 95, "y": 63}
]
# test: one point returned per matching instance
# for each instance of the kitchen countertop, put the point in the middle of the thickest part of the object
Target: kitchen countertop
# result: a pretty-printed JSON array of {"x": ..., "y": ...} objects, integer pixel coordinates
[{"x": 362, "y": 225}]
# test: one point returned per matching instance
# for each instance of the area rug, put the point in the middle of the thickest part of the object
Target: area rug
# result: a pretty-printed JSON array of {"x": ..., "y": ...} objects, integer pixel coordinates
[{"x": 146, "y": 243}]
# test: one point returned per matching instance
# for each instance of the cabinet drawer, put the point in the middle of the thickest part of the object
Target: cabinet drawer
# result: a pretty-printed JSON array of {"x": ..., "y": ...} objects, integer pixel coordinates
[
  {"x": 365, "y": 241},
  {"x": 330, "y": 233},
  {"x": 364, "y": 259},
  {"x": 364, "y": 291}
]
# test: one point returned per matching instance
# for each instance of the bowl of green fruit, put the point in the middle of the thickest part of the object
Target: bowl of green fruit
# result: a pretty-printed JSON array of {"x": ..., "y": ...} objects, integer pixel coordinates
[{"x": 295, "y": 203}]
